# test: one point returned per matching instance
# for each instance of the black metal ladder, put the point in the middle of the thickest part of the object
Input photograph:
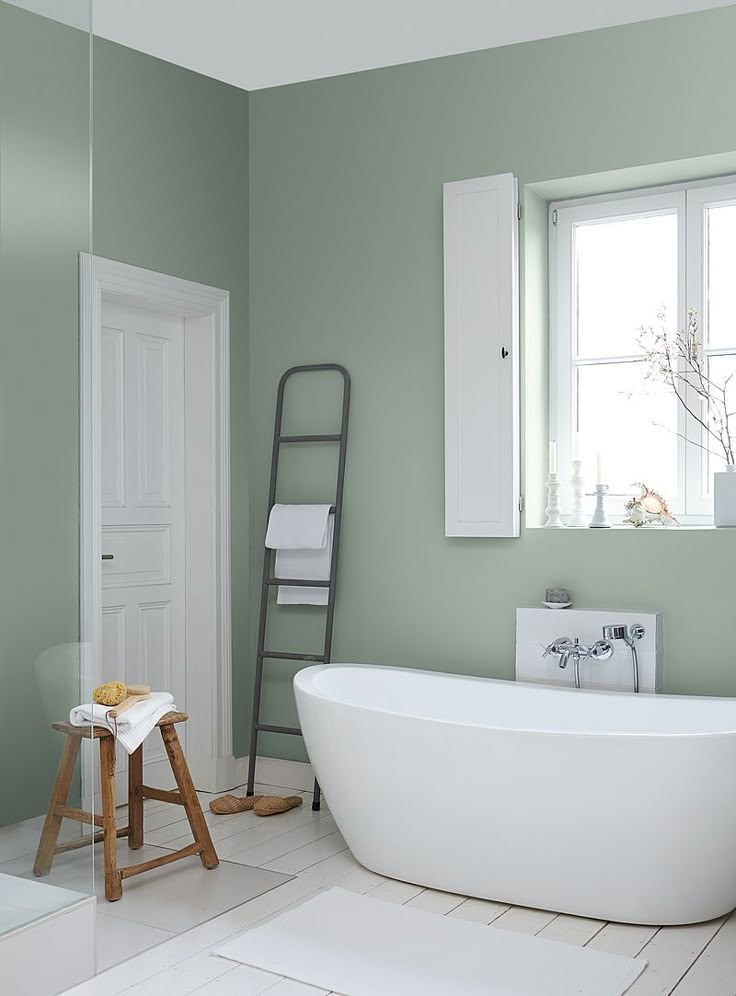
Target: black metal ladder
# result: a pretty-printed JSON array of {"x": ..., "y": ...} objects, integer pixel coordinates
[{"x": 270, "y": 581}]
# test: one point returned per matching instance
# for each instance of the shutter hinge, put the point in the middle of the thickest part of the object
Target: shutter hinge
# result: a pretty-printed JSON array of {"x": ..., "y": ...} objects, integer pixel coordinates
[
  {"x": 521, "y": 503},
  {"x": 554, "y": 217},
  {"x": 518, "y": 210}
]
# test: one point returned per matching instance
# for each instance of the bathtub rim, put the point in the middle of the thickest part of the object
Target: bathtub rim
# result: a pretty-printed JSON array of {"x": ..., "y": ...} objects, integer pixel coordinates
[{"x": 304, "y": 681}]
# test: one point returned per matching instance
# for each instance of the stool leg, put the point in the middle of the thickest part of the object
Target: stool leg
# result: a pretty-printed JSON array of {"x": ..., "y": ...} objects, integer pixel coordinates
[
  {"x": 135, "y": 799},
  {"x": 59, "y": 796},
  {"x": 192, "y": 807},
  {"x": 113, "y": 882}
]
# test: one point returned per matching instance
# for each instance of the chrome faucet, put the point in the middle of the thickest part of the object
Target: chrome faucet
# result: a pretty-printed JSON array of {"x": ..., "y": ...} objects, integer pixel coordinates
[{"x": 565, "y": 648}]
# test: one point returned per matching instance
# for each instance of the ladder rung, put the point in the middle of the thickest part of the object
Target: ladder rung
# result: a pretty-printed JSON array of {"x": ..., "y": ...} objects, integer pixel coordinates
[
  {"x": 317, "y": 658},
  {"x": 296, "y": 583},
  {"x": 293, "y": 731},
  {"x": 321, "y": 437}
]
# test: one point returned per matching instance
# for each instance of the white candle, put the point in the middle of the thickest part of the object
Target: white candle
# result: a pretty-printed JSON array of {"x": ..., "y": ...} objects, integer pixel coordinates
[
  {"x": 599, "y": 469},
  {"x": 553, "y": 457},
  {"x": 576, "y": 447}
]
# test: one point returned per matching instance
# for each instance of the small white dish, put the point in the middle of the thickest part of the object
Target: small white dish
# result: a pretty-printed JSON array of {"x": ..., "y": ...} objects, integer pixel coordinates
[{"x": 557, "y": 605}]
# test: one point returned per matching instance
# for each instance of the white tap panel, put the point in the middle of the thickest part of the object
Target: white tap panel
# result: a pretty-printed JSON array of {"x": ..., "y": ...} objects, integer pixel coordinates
[{"x": 536, "y": 628}]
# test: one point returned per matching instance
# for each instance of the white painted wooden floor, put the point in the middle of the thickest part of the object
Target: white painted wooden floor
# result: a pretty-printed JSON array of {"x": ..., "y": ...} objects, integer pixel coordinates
[{"x": 695, "y": 960}]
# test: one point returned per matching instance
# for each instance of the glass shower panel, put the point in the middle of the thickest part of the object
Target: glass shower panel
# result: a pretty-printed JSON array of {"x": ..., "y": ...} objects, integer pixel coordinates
[{"x": 45, "y": 222}]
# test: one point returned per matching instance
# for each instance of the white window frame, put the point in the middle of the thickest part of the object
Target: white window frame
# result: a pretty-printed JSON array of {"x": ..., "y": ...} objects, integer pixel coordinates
[
  {"x": 699, "y": 198},
  {"x": 691, "y": 505}
]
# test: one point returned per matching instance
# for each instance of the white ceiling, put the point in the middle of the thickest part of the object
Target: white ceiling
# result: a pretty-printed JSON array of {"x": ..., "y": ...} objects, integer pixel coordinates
[{"x": 260, "y": 43}]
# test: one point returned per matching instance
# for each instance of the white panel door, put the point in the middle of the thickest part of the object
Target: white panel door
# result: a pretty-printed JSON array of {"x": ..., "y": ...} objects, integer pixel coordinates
[
  {"x": 481, "y": 357},
  {"x": 143, "y": 505}
]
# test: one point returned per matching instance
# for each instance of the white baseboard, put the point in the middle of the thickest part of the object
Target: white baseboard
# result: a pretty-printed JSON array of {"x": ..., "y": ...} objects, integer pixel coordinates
[
  {"x": 231, "y": 772},
  {"x": 222, "y": 775},
  {"x": 296, "y": 775}
]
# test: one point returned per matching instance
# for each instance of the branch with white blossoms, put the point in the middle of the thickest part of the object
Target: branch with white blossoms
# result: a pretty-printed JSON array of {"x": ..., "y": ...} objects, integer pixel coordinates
[{"x": 676, "y": 360}]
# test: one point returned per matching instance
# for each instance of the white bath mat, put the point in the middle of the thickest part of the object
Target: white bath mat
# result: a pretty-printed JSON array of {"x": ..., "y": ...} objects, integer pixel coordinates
[{"x": 358, "y": 946}]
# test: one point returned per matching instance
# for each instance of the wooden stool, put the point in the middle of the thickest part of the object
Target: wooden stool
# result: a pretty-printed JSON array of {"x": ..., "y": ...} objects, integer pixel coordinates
[{"x": 186, "y": 796}]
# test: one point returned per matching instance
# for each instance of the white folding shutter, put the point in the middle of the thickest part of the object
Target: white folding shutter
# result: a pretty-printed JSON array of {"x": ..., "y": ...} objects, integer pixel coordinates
[{"x": 481, "y": 357}]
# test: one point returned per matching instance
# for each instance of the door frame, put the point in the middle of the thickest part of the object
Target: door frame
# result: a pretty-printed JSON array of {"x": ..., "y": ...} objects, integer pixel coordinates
[{"x": 205, "y": 311}]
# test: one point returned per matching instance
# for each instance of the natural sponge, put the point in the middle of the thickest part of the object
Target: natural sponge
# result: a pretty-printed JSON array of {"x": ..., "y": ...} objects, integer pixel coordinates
[{"x": 111, "y": 693}]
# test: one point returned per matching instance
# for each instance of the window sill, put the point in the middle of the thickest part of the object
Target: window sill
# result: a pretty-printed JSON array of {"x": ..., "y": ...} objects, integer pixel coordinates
[{"x": 620, "y": 527}]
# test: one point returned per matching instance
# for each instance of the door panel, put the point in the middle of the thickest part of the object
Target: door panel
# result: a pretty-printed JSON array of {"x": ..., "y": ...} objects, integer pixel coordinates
[
  {"x": 141, "y": 555},
  {"x": 143, "y": 463},
  {"x": 113, "y": 638},
  {"x": 155, "y": 376},
  {"x": 155, "y": 629},
  {"x": 113, "y": 418}
]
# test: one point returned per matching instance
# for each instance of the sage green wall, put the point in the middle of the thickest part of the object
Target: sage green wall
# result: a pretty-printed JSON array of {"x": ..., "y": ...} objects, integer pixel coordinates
[
  {"x": 170, "y": 194},
  {"x": 346, "y": 264},
  {"x": 44, "y": 222}
]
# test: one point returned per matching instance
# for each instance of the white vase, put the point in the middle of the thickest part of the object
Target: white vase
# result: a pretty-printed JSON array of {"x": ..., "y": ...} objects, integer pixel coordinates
[{"x": 724, "y": 497}]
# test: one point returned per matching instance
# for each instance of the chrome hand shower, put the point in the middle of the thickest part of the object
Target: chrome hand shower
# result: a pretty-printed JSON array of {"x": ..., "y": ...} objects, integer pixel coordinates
[{"x": 611, "y": 633}]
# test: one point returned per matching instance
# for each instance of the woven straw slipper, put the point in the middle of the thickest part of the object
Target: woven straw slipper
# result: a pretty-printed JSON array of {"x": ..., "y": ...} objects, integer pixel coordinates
[
  {"x": 270, "y": 805},
  {"x": 226, "y": 804}
]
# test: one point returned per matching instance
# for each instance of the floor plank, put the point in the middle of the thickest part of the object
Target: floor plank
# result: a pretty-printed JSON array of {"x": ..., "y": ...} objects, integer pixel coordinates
[
  {"x": 622, "y": 938},
  {"x": 360, "y": 880},
  {"x": 578, "y": 930},
  {"x": 479, "y": 910},
  {"x": 669, "y": 954},
  {"x": 255, "y": 830},
  {"x": 185, "y": 977},
  {"x": 327, "y": 872},
  {"x": 524, "y": 920},
  {"x": 291, "y": 988},
  {"x": 285, "y": 843},
  {"x": 239, "y": 981},
  {"x": 433, "y": 901},
  {"x": 392, "y": 891},
  {"x": 714, "y": 972},
  {"x": 118, "y": 939},
  {"x": 301, "y": 858}
]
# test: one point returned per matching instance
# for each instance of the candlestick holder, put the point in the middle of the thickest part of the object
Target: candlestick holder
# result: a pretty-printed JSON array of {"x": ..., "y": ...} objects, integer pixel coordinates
[
  {"x": 599, "y": 520},
  {"x": 553, "y": 503},
  {"x": 577, "y": 519}
]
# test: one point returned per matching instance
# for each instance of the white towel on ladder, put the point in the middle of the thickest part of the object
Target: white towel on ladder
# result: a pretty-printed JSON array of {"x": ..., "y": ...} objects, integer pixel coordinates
[
  {"x": 302, "y": 537},
  {"x": 298, "y": 527}
]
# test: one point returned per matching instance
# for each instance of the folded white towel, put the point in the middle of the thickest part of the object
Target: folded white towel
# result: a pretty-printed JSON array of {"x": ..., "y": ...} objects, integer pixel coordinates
[
  {"x": 305, "y": 565},
  {"x": 133, "y": 726},
  {"x": 298, "y": 527}
]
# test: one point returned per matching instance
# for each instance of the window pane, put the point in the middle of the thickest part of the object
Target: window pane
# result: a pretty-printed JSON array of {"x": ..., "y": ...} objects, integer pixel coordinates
[
  {"x": 633, "y": 423},
  {"x": 626, "y": 273},
  {"x": 720, "y": 368},
  {"x": 721, "y": 285}
]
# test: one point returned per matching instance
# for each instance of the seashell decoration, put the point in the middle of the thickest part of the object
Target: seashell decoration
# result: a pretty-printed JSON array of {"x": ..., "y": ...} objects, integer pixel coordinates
[{"x": 648, "y": 509}]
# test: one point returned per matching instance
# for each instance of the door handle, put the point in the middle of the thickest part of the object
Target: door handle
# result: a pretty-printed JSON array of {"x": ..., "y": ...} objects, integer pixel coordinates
[{"x": 108, "y": 556}]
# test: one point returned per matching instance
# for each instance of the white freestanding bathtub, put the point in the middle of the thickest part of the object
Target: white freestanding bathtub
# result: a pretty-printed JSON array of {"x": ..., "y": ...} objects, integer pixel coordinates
[{"x": 601, "y": 804}]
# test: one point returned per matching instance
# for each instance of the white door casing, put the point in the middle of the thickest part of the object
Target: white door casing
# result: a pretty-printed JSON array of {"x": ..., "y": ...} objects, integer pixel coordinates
[
  {"x": 203, "y": 315},
  {"x": 143, "y": 510}
]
